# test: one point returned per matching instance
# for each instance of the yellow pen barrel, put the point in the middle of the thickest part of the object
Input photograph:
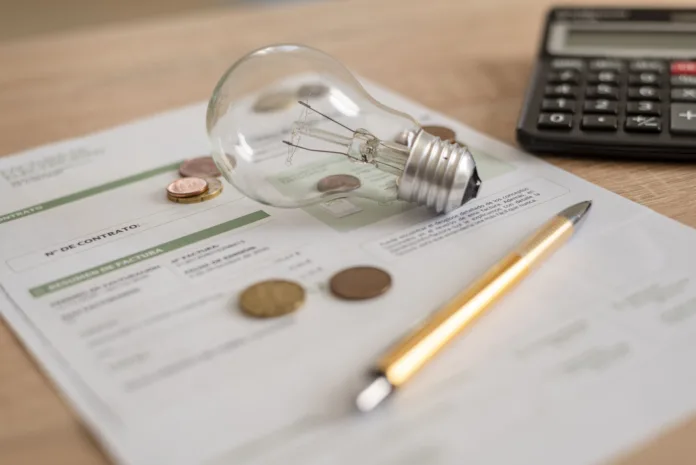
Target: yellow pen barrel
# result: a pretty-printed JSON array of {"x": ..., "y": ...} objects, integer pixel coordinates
[{"x": 409, "y": 355}]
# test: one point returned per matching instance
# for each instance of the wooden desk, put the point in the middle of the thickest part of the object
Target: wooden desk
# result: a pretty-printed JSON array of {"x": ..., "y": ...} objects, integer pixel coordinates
[{"x": 468, "y": 59}]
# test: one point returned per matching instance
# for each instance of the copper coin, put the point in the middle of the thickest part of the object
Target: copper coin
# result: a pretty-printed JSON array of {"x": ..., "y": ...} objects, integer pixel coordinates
[
  {"x": 442, "y": 132},
  {"x": 312, "y": 91},
  {"x": 360, "y": 282},
  {"x": 272, "y": 298},
  {"x": 187, "y": 187},
  {"x": 201, "y": 167},
  {"x": 338, "y": 183}
]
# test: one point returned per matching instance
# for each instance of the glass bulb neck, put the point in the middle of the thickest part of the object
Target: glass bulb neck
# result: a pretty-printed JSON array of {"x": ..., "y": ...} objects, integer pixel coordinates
[
  {"x": 438, "y": 174},
  {"x": 361, "y": 146}
]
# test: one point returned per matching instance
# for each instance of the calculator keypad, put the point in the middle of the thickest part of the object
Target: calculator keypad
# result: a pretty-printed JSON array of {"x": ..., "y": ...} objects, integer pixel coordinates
[
  {"x": 562, "y": 105},
  {"x": 609, "y": 95},
  {"x": 643, "y": 108},
  {"x": 643, "y": 123},
  {"x": 601, "y": 106},
  {"x": 555, "y": 121},
  {"x": 599, "y": 123},
  {"x": 684, "y": 95}
]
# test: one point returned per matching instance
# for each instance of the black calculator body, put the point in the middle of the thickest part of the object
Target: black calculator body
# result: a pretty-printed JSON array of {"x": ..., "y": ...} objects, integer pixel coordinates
[{"x": 614, "y": 82}]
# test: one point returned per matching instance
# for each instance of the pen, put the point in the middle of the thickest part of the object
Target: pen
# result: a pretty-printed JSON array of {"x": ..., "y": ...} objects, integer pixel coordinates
[{"x": 412, "y": 352}]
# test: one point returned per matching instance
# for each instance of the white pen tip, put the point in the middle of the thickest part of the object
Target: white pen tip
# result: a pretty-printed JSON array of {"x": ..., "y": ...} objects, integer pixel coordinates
[{"x": 373, "y": 395}]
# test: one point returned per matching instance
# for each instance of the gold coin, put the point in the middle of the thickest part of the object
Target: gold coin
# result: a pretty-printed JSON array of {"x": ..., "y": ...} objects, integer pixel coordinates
[
  {"x": 271, "y": 298},
  {"x": 360, "y": 282},
  {"x": 274, "y": 101},
  {"x": 338, "y": 183},
  {"x": 201, "y": 167},
  {"x": 442, "y": 132},
  {"x": 214, "y": 189},
  {"x": 187, "y": 187},
  {"x": 312, "y": 91}
]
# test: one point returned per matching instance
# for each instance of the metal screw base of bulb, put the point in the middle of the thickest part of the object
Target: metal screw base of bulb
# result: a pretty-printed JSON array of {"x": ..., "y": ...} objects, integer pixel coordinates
[{"x": 440, "y": 175}]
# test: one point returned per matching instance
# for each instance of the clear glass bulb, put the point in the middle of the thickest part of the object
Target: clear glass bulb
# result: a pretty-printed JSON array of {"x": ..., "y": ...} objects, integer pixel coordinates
[{"x": 290, "y": 126}]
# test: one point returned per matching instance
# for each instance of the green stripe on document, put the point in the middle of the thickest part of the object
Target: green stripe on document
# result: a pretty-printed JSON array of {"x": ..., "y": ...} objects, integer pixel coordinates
[
  {"x": 7, "y": 217},
  {"x": 146, "y": 254}
]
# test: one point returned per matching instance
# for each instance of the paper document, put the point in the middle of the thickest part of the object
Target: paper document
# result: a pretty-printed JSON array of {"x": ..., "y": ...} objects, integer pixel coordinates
[{"x": 129, "y": 302}]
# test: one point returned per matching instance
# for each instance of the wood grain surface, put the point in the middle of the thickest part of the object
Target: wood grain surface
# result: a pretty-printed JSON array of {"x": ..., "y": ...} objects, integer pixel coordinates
[{"x": 468, "y": 59}]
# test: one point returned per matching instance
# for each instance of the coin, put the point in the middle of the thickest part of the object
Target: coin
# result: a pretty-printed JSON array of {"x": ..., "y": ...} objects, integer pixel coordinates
[
  {"x": 187, "y": 187},
  {"x": 360, "y": 282},
  {"x": 201, "y": 167},
  {"x": 274, "y": 101},
  {"x": 271, "y": 298},
  {"x": 312, "y": 91},
  {"x": 214, "y": 189},
  {"x": 442, "y": 132},
  {"x": 338, "y": 183}
]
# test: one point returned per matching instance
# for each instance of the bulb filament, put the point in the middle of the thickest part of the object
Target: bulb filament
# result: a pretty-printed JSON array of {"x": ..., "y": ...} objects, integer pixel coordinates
[{"x": 362, "y": 145}]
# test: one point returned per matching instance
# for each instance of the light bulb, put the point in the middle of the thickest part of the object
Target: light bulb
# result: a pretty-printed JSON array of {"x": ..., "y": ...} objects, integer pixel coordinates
[{"x": 290, "y": 127}]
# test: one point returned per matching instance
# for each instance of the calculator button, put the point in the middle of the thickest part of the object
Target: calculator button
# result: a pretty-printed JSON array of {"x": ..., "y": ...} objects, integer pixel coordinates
[
  {"x": 603, "y": 91},
  {"x": 567, "y": 63},
  {"x": 604, "y": 77},
  {"x": 682, "y": 118},
  {"x": 647, "y": 65},
  {"x": 599, "y": 123},
  {"x": 684, "y": 95},
  {"x": 555, "y": 121},
  {"x": 601, "y": 106},
  {"x": 561, "y": 90},
  {"x": 561, "y": 105},
  {"x": 569, "y": 76},
  {"x": 643, "y": 108},
  {"x": 644, "y": 93},
  {"x": 683, "y": 80},
  {"x": 642, "y": 123},
  {"x": 683, "y": 67},
  {"x": 644, "y": 79},
  {"x": 599, "y": 65}
]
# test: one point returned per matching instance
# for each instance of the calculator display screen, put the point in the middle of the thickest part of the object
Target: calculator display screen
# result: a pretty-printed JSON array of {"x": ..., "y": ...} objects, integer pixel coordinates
[
  {"x": 669, "y": 40},
  {"x": 630, "y": 38}
]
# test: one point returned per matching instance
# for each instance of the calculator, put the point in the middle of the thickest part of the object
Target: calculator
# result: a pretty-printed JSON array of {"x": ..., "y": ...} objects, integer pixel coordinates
[{"x": 613, "y": 82}]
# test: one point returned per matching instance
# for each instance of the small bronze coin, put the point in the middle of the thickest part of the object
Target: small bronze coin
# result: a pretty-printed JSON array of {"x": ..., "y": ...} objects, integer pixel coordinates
[
  {"x": 201, "y": 167},
  {"x": 272, "y": 298},
  {"x": 442, "y": 132},
  {"x": 360, "y": 282},
  {"x": 312, "y": 91},
  {"x": 187, "y": 187},
  {"x": 214, "y": 189},
  {"x": 338, "y": 183}
]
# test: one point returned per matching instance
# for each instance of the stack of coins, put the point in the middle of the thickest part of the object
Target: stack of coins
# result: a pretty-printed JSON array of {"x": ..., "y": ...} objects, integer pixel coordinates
[{"x": 198, "y": 182}]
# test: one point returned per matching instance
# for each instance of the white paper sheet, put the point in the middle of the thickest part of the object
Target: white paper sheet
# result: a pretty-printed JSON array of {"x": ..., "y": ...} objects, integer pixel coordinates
[{"x": 128, "y": 302}]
